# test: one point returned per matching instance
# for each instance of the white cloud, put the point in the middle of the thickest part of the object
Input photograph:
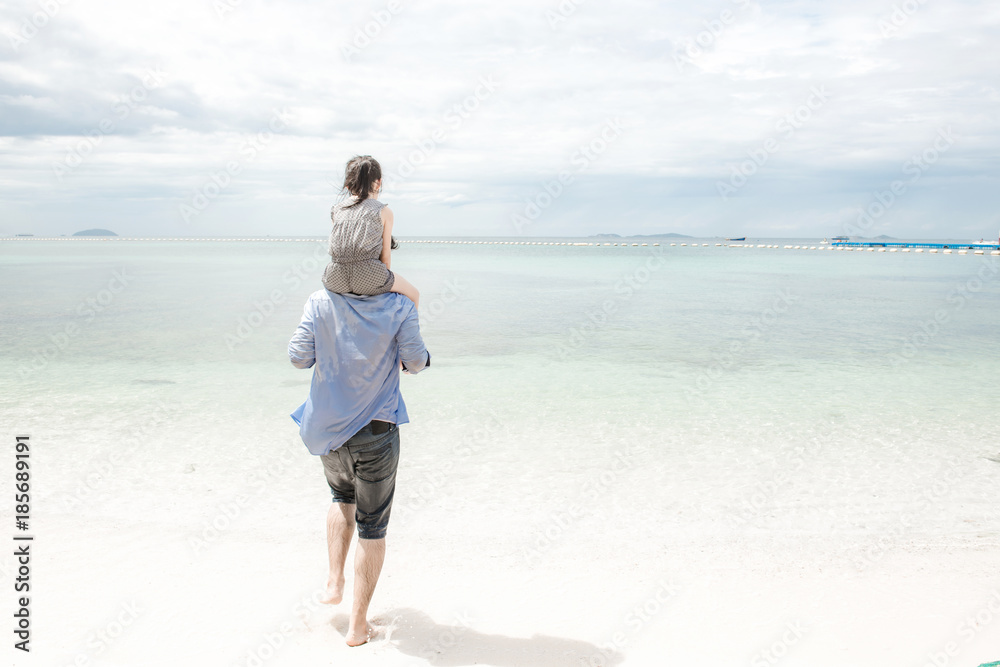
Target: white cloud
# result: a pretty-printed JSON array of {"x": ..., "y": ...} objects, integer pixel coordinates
[{"x": 229, "y": 65}]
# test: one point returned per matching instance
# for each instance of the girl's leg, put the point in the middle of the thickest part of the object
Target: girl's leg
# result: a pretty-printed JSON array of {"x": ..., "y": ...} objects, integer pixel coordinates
[{"x": 401, "y": 285}]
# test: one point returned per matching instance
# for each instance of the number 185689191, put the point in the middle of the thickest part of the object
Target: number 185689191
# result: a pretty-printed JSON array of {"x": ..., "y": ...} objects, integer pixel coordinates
[{"x": 22, "y": 477}]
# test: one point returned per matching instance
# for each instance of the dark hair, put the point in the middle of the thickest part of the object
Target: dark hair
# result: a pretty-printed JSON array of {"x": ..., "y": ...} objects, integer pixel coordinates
[{"x": 360, "y": 175}]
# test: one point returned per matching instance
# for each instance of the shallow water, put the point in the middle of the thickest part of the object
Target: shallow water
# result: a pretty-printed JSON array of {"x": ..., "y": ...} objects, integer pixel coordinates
[{"x": 697, "y": 395}]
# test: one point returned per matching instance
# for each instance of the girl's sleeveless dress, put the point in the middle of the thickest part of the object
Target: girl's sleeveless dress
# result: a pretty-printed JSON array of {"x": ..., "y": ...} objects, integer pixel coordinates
[{"x": 355, "y": 247}]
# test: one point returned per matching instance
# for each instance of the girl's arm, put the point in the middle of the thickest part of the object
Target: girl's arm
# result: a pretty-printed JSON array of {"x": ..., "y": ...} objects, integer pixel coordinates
[{"x": 386, "y": 255}]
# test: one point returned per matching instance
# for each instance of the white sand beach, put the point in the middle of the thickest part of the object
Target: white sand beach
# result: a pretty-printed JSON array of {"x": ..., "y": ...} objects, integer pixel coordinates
[
  {"x": 633, "y": 502},
  {"x": 178, "y": 556}
]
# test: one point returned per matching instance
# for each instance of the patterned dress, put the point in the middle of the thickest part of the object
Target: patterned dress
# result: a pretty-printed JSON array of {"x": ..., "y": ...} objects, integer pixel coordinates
[{"x": 355, "y": 247}]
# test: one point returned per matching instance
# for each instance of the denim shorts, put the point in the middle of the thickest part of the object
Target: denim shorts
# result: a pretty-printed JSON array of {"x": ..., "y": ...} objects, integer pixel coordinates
[{"x": 362, "y": 472}]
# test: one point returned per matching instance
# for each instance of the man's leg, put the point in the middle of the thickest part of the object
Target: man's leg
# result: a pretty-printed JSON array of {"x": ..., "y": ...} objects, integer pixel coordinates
[
  {"x": 375, "y": 487},
  {"x": 367, "y": 567},
  {"x": 339, "y": 531}
]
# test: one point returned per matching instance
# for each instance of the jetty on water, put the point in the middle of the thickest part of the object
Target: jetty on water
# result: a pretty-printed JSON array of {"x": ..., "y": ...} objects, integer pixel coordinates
[
  {"x": 912, "y": 244},
  {"x": 960, "y": 248}
]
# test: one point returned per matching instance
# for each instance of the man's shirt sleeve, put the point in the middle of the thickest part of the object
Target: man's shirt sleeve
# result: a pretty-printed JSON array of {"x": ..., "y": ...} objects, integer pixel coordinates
[
  {"x": 412, "y": 351},
  {"x": 302, "y": 347}
]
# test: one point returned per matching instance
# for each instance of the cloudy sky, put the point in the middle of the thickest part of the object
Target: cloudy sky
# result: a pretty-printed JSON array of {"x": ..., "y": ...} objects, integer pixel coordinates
[{"x": 235, "y": 117}]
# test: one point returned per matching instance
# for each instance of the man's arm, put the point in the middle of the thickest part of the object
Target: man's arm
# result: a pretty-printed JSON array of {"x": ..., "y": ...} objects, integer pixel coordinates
[
  {"x": 302, "y": 346},
  {"x": 412, "y": 351}
]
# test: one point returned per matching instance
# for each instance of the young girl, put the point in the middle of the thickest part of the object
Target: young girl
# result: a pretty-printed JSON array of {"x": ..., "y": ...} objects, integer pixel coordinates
[{"x": 361, "y": 239}]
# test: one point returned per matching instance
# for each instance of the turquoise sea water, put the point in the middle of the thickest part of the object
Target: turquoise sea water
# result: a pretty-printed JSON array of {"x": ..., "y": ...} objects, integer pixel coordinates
[
  {"x": 716, "y": 353},
  {"x": 709, "y": 356},
  {"x": 682, "y": 322},
  {"x": 801, "y": 408}
]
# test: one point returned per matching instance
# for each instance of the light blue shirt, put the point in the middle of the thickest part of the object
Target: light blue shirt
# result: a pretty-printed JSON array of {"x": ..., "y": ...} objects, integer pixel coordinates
[{"x": 354, "y": 345}]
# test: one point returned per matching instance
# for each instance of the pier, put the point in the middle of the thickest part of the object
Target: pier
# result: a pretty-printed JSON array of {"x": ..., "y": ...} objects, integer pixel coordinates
[
  {"x": 958, "y": 248},
  {"x": 910, "y": 244}
]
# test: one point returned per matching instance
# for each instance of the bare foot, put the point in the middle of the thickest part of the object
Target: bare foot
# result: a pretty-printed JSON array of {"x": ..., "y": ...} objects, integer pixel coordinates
[
  {"x": 357, "y": 637},
  {"x": 334, "y": 592}
]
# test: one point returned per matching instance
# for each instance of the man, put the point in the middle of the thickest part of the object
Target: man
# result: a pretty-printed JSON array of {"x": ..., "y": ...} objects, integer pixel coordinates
[{"x": 356, "y": 345}]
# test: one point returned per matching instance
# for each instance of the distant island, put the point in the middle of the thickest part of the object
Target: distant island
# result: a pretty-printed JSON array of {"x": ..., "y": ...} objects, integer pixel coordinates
[
  {"x": 641, "y": 236},
  {"x": 95, "y": 232}
]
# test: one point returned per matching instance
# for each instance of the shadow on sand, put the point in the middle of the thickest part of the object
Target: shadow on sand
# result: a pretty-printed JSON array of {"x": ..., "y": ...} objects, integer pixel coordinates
[{"x": 414, "y": 633}]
